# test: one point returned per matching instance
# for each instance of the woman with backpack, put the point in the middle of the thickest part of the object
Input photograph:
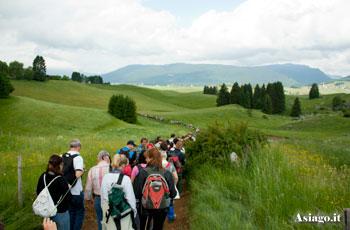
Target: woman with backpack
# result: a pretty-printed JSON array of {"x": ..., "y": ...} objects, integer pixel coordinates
[
  {"x": 58, "y": 189},
  {"x": 117, "y": 197},
  {"x": 154, "y": 187}
]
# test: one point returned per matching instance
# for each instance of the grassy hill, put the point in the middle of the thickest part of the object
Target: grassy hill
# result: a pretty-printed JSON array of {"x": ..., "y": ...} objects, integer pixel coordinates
[{"x": 41, "y": 118}]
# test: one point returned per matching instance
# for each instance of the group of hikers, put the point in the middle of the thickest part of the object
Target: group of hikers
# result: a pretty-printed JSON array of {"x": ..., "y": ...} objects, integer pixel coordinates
[{"x": 134, "y": 188}]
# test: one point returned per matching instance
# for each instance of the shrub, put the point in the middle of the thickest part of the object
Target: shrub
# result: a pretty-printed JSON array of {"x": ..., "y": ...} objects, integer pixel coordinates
[
  {"x": 346, "y": 113},
  {"x": 337, "y": 103},
  {"x": 5, "y": 86},
  {"x": 216, "y": 143},
  {"x": 123, "y": 108}
]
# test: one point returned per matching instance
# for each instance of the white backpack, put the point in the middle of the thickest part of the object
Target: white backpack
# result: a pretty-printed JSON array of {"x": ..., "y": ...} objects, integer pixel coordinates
[{"x": 43, "y": 205}]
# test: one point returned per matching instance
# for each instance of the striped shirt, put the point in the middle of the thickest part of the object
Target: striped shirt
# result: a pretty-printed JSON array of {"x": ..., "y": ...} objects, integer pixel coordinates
[{"x": 94, "y": 179}]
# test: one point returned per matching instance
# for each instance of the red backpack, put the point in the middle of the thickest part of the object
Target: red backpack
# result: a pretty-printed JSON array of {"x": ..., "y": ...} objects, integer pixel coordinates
[{"x": 155, "y": 192}]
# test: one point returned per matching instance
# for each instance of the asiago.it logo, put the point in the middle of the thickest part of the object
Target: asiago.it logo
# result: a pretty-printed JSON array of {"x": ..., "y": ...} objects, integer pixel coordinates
[{"x": 310, "y": 218}]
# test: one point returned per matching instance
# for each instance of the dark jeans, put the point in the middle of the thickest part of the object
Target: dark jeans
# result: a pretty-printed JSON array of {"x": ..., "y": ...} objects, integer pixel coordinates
[
  {"x": 98, "y": 209},
  {"x": 76, "y": 211},
  {"x": 153, "y": 220}
]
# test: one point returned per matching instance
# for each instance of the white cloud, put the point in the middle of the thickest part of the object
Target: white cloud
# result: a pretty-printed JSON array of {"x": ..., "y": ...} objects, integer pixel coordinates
[{"x": 99, "y": 36}]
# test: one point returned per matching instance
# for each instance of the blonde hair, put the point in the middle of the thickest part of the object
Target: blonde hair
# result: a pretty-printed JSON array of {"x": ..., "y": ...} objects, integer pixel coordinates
[{"x": 119, "y": 160}]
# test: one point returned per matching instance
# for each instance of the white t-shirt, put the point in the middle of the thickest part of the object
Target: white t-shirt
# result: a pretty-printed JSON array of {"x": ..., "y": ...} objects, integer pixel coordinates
[{"x": 78, "y": 164}]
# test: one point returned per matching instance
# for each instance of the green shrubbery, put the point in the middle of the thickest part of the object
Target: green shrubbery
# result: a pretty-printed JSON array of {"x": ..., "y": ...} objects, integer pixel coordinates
[
  {"x": 123, "y": 108},
  {"x": 5, "y": 86},
  {"x": 217, "y": 142}
]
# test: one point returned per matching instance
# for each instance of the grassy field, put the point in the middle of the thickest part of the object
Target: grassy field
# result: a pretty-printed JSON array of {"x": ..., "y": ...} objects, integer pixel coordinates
[{"x": 41, "y": 118}]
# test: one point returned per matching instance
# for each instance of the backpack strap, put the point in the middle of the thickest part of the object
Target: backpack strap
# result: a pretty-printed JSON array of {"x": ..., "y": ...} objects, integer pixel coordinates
[
  {"x": 50, "y": 181},
  {"x": 120, "y": 179}
]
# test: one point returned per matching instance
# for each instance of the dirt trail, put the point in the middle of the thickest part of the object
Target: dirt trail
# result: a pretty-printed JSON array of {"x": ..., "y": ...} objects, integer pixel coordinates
[{"x": 181, "y": 210}]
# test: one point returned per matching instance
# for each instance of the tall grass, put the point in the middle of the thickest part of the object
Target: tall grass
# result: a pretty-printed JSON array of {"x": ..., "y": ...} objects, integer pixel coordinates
[{"x": 268, "y": 194}]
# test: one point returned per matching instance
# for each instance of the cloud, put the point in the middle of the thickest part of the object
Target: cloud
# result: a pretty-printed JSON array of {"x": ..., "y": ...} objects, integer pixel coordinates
[{"x": 99, "y": 36}]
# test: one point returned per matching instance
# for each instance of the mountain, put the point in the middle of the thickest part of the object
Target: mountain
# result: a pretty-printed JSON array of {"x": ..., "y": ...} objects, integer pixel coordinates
[{"x": 207, "y": 74}]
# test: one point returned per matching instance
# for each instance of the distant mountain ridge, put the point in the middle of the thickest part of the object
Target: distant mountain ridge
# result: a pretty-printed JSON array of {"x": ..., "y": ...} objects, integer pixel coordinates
[{"x": 209, "y": 74}]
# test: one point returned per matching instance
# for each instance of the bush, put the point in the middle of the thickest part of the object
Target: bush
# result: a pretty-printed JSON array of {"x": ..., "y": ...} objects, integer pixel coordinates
[
  {"x": 346, "y": 113},
  {"x": 5, "y": 86},
  {"x": 123, "y": 108},
  {"x": 215, "y": 144}
]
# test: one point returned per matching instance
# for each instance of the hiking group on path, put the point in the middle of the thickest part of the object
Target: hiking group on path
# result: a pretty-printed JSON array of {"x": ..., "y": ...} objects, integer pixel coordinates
[{"x": 133, "y": 189}]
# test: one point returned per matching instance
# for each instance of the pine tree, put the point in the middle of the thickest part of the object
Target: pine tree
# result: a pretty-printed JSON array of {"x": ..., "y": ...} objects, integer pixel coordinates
[
  {"x": 314, "y": 92},
  {"x": 39, "y": 69},
  {"x": 5, "y": 86},
  {"x": 205, "y": 90},
  {"x": 256, "y": 101},
  {"x": 267, "y": 104},
  {"x": 280, "y": 99},
  {"x": 296, "y": 109},
  {"x": 235, "y": 93},
  {"x": 123, "y": 108},
  {"x": 223, "y": 96}
]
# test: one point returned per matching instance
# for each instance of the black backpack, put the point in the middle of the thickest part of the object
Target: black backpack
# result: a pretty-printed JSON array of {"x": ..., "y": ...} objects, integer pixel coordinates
[{"x": 68, "y": 168}]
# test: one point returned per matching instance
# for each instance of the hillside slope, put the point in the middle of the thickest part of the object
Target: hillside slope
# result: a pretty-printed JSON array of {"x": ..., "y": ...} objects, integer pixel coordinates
[{"x": 201, "y": 74}]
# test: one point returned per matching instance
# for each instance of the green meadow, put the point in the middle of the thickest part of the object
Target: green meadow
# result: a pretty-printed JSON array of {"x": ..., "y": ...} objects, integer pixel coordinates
[{"x": 305, "y": 167}]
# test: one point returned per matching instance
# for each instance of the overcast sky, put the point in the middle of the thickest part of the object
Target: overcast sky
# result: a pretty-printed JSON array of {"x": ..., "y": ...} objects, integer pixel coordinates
[{"x": 98, "y": 36}]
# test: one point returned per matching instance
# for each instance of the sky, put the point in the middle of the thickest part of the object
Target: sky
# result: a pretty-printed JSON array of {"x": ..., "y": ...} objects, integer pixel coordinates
[{"x": 99, "y": 36}]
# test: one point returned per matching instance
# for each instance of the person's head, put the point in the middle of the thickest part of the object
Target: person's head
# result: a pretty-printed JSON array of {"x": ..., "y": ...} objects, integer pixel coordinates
[
  {"x": 75, "y": 145},
  {"x": 154, "y": 158},
  {"x": 150, "y": 146},
  {"x": 172, "y": 135},
  {"x": 163, "y": 146},
  {"x": 142, "y": 158},
  {"x": 103, "y": 155},
  {"x": 179, "y": 144},
  {"x": 131, "y": 144},
  {"x": 175, "y": 140},
  {"x": 119, "y": 161},
  {"x": 158, "y": 139},
  {"x": 55, "y": 164},
  {"x": 144, "y": 141}
]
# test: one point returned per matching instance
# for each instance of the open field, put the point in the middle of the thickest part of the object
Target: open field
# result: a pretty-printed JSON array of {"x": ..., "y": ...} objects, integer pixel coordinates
[{"x": 40, "y": 119}]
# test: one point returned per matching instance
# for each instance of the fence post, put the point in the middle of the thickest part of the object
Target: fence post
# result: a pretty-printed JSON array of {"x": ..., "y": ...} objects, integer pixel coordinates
[{"x": 19, "y": 181}]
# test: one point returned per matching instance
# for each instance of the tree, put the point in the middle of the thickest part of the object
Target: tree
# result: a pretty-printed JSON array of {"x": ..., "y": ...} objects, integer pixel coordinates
[
  {"x": 280, "y": 99},
  {"x": 28, "y": 73},
  {"x": 296, "y": 109},
  {"x": 5, "y": 86},
  {"x": 314, "y": 92},
  {"x": 4, "y": 68},
  {"x": 256, "y": 101},
  {"x": 123, "y": 108},
  {"x": 39, "y": 69},
  {"x": 337, "y": 103},
  {"x": 267, "y": 104},
  {"x": 76, "y": 76},
  {"x": 96, "y": 79},
  {"x": 235, "y": 93},
  {"x": 16, "y": 70},
  {"x": 223, "y": 96}
]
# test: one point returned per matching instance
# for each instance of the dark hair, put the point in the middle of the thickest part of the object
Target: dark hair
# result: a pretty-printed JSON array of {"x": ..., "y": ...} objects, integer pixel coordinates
[
  {"x": 173, "y": 135},
  {"x": 164, "y": 146},
  {"x": 155, "y": 158},
  {"x": 142, "y": 158},
  {"x": 54, "y": 164},
  {"x": 143, "y": 139},
  {"x": 175, "y": 140}
]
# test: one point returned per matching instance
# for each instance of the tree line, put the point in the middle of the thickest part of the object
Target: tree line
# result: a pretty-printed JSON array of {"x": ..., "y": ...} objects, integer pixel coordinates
[
  {"x": 213, "y": 90},
  {"x": 15, "y": 70},
  {"x": 94, "y": 79},
  {"x": 270, "y": 99}
]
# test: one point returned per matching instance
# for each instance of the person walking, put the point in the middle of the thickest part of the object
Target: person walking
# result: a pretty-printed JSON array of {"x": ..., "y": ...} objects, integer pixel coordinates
[
  {"x": 94, "y": 181},
  {"x": 117, "y": 188},
  {"x": 59, "y": 191},
  {"x": 154, "y": 187},
  {"x": 73, "y": 170}
]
